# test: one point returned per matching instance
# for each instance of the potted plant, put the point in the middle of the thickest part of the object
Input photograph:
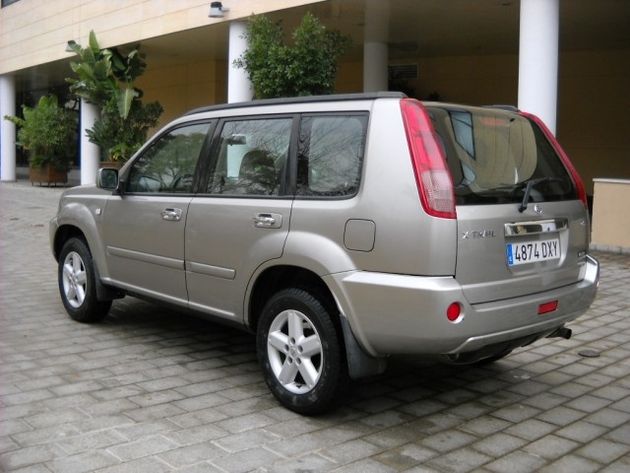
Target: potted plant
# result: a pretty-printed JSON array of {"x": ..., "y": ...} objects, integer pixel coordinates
[
  {"x": 120, "y": 137},
  {"x": 105, "y": 77},
  {"x": 48, "y": 133}
]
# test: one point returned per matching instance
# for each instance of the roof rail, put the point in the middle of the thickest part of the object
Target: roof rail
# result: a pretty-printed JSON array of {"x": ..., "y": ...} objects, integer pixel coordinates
[
  {"x": 510, "y": 108},
  {"x": 302, "y": 99}
]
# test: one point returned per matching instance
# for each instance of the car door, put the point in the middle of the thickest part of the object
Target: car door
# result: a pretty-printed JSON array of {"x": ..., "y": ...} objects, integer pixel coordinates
[
  {"x": 143, "y": 230},
  {"x": 241, "y": 219}
]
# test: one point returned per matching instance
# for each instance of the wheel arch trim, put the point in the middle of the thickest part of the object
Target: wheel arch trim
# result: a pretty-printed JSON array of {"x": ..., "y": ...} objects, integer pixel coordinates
[
  {"x": 359, "y": 361},
  {"x": 75, "y": 219},
  {"x": 78, "y": 215}
]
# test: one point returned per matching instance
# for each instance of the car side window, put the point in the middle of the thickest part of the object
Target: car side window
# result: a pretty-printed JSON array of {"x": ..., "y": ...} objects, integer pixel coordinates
[
  {"x": 168, "y": 165},
  {"x": 250, "y": 157},
  {"x": 330, "y": 155}
]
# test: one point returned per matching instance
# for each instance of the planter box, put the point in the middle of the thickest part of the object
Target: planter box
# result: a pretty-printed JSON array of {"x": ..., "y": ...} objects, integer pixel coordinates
[{"x": 48, "y": 175}]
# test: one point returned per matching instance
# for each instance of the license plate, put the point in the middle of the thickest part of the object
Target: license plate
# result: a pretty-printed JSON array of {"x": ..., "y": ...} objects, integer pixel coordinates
[{"x": 532, "y": 251}]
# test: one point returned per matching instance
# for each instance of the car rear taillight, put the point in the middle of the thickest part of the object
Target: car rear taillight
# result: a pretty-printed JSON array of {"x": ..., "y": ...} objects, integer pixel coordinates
[
  {"x": 433, "y": 178},
  {"x": 577, "y": 180}
]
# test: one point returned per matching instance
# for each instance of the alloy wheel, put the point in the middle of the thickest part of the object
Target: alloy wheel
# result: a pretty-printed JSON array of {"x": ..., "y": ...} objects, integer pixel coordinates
[
  {"x": 74, "y": 279},
  {"x": 295, "y": 351}
]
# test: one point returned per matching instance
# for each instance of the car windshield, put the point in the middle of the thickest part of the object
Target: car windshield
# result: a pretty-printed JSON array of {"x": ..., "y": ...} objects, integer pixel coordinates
[{"x": 492, "y": 155}]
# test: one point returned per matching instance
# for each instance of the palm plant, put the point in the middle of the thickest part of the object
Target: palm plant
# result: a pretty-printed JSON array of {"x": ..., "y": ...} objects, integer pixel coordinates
[{"x": 105, "y": 77}]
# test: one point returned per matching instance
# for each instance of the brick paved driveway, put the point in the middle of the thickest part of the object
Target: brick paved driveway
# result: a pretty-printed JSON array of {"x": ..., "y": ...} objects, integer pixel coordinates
[{"x": 150, "y": 390}]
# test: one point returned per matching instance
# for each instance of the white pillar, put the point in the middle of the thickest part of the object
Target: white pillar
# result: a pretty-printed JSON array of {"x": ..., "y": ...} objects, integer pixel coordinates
[
  {"x": 375, "y": 53},
  {"x": 375, "y": 59},
  {"x": 90, "y": 153},
  {"x": 239, "y": 87},
  {"x": 538, "y": 59},
  {"x": 7, "y": 129}
]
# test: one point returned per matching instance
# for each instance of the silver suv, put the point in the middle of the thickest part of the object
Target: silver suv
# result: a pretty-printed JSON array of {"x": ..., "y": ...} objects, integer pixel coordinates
[{"x": 341, "y": 230}]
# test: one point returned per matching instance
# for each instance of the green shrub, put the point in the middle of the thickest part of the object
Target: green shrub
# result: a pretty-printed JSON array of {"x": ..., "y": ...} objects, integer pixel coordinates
[
  {"x": 307, "y": 66},
  {"x": 47, "y": 132}
]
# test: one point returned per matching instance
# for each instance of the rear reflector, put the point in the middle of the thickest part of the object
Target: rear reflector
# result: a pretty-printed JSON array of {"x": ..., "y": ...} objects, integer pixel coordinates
[
  {"x": 433, "y": 178},
  {"x": 547, "y": 307},
  {"x": 453, "y": 311}
]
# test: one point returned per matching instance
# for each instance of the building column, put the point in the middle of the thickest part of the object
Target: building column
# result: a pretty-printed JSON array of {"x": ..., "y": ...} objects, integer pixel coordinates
[
  {"x": 90, "y": 153},
  {"x": 375, "y": 50},
  {"x": 7, "y": 128},
  {"x": 538, "y": 60},
  {"x": 375, "y": 58},
  {"x": 239, "y": 86}
]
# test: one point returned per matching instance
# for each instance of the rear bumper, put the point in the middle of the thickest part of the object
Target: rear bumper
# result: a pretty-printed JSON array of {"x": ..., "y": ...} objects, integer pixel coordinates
[{"x": 400, "y": 314}]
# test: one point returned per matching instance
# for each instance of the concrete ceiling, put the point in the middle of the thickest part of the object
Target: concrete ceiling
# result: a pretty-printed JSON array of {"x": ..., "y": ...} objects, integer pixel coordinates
[{"x": 417, "y": 28}]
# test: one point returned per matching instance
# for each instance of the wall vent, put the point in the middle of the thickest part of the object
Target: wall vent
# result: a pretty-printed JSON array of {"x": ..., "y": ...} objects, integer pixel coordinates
[{"x": 402, "y": 71}]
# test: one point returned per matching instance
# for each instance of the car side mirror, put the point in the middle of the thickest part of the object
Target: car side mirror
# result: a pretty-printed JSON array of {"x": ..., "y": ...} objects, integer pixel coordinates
[{"x": 107, "y": 178}]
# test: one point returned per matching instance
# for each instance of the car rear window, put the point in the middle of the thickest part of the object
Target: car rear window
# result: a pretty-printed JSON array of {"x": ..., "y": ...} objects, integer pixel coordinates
[{"x": 492, "y": 154}]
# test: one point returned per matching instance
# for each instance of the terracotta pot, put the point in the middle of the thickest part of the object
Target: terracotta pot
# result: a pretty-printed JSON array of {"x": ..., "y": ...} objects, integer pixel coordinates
[{"x": 47, "y": 174}]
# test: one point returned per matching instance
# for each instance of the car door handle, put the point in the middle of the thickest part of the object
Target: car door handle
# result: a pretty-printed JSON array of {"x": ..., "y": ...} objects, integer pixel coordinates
[
  {"x": 172, "y": 215},
  {"x": 268, "y": 221}
]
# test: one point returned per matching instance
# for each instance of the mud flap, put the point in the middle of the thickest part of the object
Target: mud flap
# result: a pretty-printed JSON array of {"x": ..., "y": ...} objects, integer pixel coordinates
[{"x": 360, "y": 364}]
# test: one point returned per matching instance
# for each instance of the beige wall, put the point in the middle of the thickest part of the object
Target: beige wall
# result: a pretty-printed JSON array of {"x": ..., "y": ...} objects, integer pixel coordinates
[
  {"x": 34, "y": 32},
  {"x": 475, "y": 80},
  {"x": 182, "y": 87},
  {"x": 611, "y": 218},
  {"x": 349, "y": 77},
  {"x": 594, "y": 113}
]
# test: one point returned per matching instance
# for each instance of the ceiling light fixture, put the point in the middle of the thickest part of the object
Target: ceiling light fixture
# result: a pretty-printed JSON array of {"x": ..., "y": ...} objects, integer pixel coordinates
[{"x": 217, "y": 10}]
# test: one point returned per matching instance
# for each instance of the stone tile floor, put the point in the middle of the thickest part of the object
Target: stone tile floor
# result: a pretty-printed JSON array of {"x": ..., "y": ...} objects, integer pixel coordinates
[{"x": 151, "y": 390}]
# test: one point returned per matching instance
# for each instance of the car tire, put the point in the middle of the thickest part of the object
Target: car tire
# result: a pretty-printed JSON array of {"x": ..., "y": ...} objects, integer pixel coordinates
[
  {"x": 77, "y": 284},
  {"x": 300, "y": 352}
]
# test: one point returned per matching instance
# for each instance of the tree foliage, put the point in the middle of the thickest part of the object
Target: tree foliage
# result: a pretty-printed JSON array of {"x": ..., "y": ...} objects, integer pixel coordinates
[
  {"x": 307, "y": 66},
  {"x": 47, "y": 132}
]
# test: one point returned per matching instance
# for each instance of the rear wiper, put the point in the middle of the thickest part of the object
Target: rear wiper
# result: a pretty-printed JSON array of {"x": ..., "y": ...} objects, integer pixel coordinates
[{"x": 531, "y": 183}]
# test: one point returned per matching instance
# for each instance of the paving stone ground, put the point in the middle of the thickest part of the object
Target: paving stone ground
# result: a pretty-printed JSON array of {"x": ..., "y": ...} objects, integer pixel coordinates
[{"x": 152, "y": 390}]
